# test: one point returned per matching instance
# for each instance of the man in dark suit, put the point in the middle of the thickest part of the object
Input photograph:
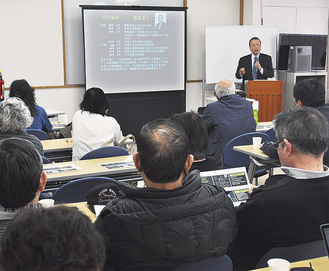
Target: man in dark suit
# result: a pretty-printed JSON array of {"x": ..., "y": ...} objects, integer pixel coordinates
[
  {"x": 255, "y": 65},
  {"x": 161, "y": 25}
]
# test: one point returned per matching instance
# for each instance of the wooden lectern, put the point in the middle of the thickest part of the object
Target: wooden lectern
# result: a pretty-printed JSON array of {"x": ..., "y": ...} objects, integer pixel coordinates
[{"x": 270, "y": 96}]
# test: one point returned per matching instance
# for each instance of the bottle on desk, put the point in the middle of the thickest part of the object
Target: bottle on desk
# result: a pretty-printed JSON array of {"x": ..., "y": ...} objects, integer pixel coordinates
[{"x": 255, "y": 106}]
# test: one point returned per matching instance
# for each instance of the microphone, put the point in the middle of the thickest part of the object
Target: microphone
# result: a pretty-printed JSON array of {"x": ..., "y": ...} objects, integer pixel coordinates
[{"x": 256, "y": 59}]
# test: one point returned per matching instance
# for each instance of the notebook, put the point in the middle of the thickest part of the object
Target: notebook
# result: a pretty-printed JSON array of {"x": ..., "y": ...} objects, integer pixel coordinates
[
  {"x": 235, "y": 181},
  {"x": 325, "y": 236}
]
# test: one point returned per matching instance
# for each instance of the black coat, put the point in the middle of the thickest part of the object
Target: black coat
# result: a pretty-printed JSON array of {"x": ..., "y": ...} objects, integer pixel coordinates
[
  {"x": 245, "y": 61},
  {"x": 286, "y": 214},
  {"x": 156, "y": 229}
]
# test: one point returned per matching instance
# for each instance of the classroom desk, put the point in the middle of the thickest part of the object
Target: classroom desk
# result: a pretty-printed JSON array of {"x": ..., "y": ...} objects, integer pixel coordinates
[
  {"x": 51, "y": 113},
  {"x": 318, "y": 264},
  {"x": 57, "y": 126},
  {"x": 57, "y": 150},
  {"x": 57, "y": 145},
  {"x": 91, "y": 168},
  {"x": 256, "y": 156},
  {"x": 264, "y": 126}
]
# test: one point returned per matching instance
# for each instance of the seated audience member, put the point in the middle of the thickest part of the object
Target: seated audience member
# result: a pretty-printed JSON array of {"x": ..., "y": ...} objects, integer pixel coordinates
[
  {"x": 227, "y": 118},
  {"x": 175, "y": 218},
  {"x": 21, "y": 89},
  {"x": 290, "y": 212},
  {"x": 21, "y": 179},
  {"x": 52, "y": 239},
  {"x": 15, "y": 117},
  {"x": 308, "y": 92},
  {"x": 91, "y": 125},
  {"x": 197, "y": 134}
]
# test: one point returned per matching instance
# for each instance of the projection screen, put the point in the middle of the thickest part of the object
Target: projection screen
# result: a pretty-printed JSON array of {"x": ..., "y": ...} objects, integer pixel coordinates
[{"x": 134, "y": 49}]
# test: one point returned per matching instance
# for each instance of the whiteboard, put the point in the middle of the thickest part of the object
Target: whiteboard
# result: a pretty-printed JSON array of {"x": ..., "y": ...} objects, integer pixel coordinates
[
  {"x": 74, "y": 59},
  {"x": 224, "y": 45},
  {"x": 31, "y": 42}
]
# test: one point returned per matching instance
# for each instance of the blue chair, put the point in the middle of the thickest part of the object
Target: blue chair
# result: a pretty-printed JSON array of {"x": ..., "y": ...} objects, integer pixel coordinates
[
  {"x": 223, "y": 263},
  {"x": 75, "y": 191},
  {"x": 38, "y": 133},
  {"x": 109, "y": 151},
  {"x": 232, "y": 158},
  {"x": 296, "y": 253},
  {"x": 45, "y": 160},
  {"x": 271, "y": 134}
]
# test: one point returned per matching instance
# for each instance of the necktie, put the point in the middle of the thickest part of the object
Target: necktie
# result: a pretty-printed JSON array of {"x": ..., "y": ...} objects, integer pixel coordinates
[{"x": 254, "y": 69}]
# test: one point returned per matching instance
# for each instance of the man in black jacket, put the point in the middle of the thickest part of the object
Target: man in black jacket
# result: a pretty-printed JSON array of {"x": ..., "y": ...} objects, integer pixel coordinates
[
  {"x": 254, "y": 66},
  {"x": 175, "y": 218},
  {"x": 291, "y": 211}
]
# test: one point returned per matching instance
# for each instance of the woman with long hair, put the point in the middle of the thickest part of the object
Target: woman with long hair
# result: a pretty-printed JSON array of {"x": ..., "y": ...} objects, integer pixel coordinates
[{"x": 21, "y": 89}]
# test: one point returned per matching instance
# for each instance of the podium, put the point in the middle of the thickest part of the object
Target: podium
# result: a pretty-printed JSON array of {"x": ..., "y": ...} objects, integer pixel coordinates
[{"x": 270, "y": 96}]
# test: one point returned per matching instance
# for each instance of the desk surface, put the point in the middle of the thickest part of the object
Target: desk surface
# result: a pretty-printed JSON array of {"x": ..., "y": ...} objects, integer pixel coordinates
[
  {"x": 318, "y": 264},
  {"x": 249, "y": 150},
  {"x": 57, "y": 145},
  {"x": 264, "y": 126},
  {"x": 90, "y": 168},
  {"x": 54, "y": 113}
]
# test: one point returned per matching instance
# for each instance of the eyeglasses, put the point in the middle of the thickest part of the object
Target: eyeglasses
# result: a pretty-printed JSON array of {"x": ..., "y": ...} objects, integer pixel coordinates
[{"x": 277, "y": 143}]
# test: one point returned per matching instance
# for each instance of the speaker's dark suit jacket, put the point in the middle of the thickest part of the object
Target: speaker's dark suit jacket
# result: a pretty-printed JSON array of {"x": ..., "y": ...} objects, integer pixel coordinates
[{"x": 245, "y": 61}]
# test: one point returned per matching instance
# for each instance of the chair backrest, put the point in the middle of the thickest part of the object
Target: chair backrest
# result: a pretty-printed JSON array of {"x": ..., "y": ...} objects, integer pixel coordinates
[
  {"x": 109, "y": 151},
  {"x": 271, "y": 134},
  {"x": 232, "y": 158},
  {"x": 75, "y": 191},
  {"x": 45, "y": 160},
  {"x": 38, "y": 133},
  {"x": 223, "y": 263},
  {"x": 296, "y": 253}
]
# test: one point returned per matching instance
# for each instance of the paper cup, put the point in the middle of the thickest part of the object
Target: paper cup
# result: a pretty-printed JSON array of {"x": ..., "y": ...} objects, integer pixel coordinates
[
  {"x": 47, "y": 203},
  {"x": 62, "y": 119},
  {"x": 277, "y": 264},
  {"x": 256, "y": 142}
]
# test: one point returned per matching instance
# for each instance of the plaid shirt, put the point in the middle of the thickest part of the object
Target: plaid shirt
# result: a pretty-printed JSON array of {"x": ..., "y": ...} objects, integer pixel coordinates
[{"x": 6, "y": 214}]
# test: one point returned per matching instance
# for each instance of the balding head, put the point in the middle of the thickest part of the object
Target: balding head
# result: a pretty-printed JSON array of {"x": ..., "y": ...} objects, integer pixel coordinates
[
  {"x": 163, "y": 149},
  {"x": 224, "y": 88}
]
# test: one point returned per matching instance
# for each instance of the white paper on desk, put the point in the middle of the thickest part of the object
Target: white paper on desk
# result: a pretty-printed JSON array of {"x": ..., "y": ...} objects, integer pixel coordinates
[
  {"x": 117, "y": 165},
  {"x": 53, "y": 168},
  {"x": 98, "y": 209},
  {"x": 129, "y": 159}
]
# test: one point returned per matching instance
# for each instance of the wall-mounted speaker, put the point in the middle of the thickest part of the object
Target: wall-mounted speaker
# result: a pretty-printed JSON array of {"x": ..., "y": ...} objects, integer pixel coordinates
[{"x": 300, "y": 58}]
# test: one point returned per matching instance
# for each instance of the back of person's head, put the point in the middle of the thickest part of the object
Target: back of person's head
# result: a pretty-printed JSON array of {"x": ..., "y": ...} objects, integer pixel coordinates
[
  {"x": 21, "y": 89},
  {"x": 14, "y": 115},
  {"x": 163, "y": 149},
  {"x": 21, "y": 167},
  {"x": 311, "y": 92},
  {"x": 224, "y": 88},
  {"x": 305, "y": 128},
  {"x": 94, "y": 101},
  {"x": 52, "y": 239},
  {"x": 196, "y": 132}
]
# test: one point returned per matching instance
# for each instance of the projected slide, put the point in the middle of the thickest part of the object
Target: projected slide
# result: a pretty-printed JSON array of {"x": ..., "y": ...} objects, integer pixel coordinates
[{"x": 134, "y": 50}]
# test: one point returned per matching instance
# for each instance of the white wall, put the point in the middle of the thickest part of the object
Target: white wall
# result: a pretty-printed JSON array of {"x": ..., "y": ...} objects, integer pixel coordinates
[{"x": 199, "y": 14}]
